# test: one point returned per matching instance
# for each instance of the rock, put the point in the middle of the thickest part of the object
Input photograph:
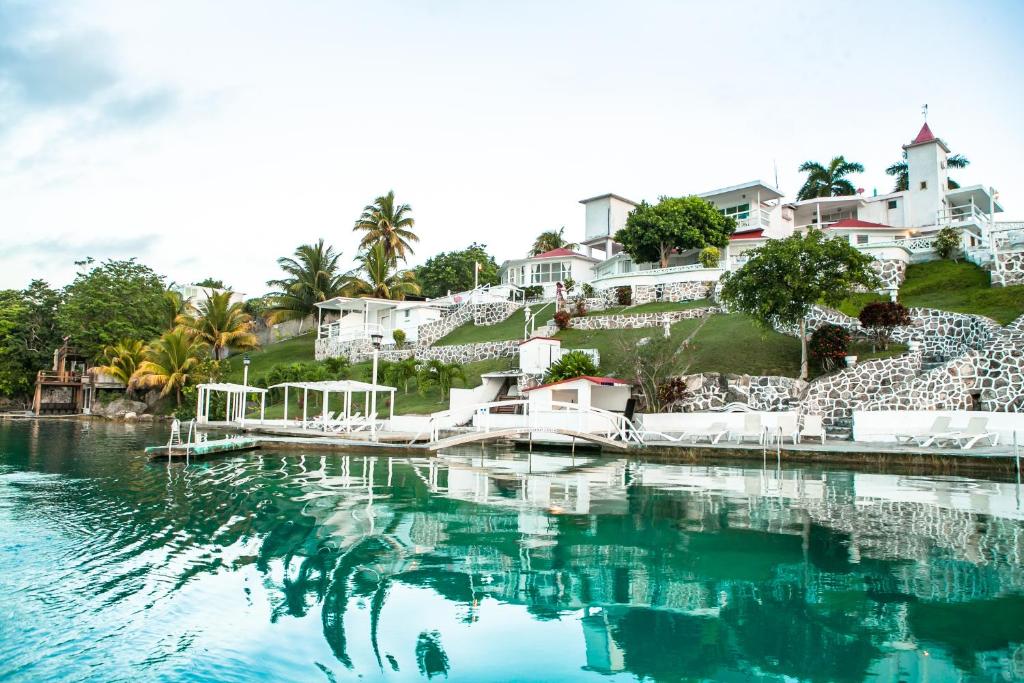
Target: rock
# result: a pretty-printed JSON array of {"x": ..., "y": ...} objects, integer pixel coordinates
[
  {"x": 130, "y": 416},
  {"x": 119, "y": 409}
]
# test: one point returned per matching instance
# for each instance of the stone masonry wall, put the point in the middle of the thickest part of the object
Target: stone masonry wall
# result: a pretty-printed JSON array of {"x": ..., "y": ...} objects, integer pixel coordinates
[
  {"x": 672, "y": 291},
  {"x": 628, "y": 321},
  {"x": 947, "y": 387},
  {"x": 1009, "y": 270},
  {"x": 1001, "y": 370},
  {"x": 489, "y": 313},
  {"x": 708, "y": 391},
  {"x": 494, "y": 312},
  {"x": 892, "y": 272},
  {"x": 454, "y": 353}
]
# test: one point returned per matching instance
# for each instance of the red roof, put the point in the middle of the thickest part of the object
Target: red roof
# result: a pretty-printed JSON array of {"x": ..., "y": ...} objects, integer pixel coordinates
[
  {"x": 854, "y": 223},
  {"x": 561, "y": 251},
  {"x": 925, "y": 135},
  {"x": 592, "y": 380},
  {"x": 753, "y": 234}
]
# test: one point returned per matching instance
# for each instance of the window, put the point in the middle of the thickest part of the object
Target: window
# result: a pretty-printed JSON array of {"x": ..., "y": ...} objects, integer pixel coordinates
[
  {"x": 924, "y": 184},
  {"x": 862, "y": 239},
  {"x": 406, "y": 313},
  {"x": 893, "y": 204},
  {"x": 739, "y": 212},
  {"x": 549, "y": 272}
]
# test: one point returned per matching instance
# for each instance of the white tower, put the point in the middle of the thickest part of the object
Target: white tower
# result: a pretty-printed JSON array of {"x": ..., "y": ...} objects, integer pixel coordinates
[{"x": 926, "y": 171}]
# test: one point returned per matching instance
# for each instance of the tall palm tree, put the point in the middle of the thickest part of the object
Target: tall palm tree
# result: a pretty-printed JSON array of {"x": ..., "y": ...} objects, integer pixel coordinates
[
  {"x": 551, "y": 239},
  {"x": 378, "y": 276},
  {"x": 828, "y": 181},
  {"x": 384, "y": 222},
  {"x": 311, "y": 277},
  {"x": 440, "y": 373},
  {"x": 122, "y": 360},
  {"x": 901, "y": 171},
  {"x": 221, "y": 324},
  {"x": 174, "y": 306},
  {"x": 170, "y": 361}
]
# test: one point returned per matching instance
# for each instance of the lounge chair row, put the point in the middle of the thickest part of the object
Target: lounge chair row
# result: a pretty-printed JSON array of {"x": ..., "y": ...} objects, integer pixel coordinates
[
  {"x": 941, "y": 433},
  {"x": 334, "y": 423}
]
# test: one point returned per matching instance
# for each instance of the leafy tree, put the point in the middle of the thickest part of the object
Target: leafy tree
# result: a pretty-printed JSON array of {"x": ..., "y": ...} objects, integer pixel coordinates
[
  {"x": 654, "y": 360},
  {"x": 378, "y": 276},
  {"x": 399, "y": 336},
  {"x": 402, "y": 371},
  {"x": 221, "y": 324},
  {"x": 453, "y": 271},
  {"x": 14, "y": 375},
  {"x": 212, "y": 283},
  {"x": 549, "y": 240},
  {"x": 653, "y": 231},
  {"x": 174, "y": 306},
  {"x": 387, "y": 224},
  {"x": 901, "y": 171},
  {"x": 829, "y": 344},
  {"x": 783, "y": 279},
  {"x": 122, "y": 360},
  {"x": 112, "y": 301},
  {"x": 171, "y": 363},
  {"x": 438, "y": 373},
  {"x": 947, "y": 242},
  {"x": 828, "y": 181},
  {"x": 311, "y": 277},
  {"x": 28, "y": 335},
  {"x": 570, "y": 365},
  {"x": 881, "y": 318}
]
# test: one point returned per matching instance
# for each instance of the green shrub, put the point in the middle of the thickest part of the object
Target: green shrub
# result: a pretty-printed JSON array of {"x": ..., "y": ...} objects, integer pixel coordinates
[
  {"x": 587, "y": 290},
  {"x": 399, "y": 336},
  {"x": 562, "y": 319},
  {"x": 624, "y": 295},
  {"x": 533, "y": 292},
  {"x": 571, "y": 364},
  {"x": 828, "y": 345},
  {"x": 947, "y": 242},
  {"x": 709, "y": 257}
]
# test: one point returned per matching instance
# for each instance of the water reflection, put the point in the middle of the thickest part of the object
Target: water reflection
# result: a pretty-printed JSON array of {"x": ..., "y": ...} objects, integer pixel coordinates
[{"x": 478, "y": 563}]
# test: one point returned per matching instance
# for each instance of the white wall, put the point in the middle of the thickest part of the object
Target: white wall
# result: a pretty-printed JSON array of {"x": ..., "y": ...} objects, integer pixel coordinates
[
  {"x": 605, "y": 216},
  {"x": 536, "y": 356},
  {"x": 461, "y": 401},
  {"x": 682, "y": 422},
  {"x": 926, "y": 163},
  {"x": 880, "y": 426},
  {"x": 610, "y": 398}
]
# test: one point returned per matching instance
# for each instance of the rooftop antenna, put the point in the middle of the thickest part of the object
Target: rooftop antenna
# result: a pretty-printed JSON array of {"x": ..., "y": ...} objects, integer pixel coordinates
[
  {"x": 776, "y": 166},
  {"x": 924, "y": 112}
]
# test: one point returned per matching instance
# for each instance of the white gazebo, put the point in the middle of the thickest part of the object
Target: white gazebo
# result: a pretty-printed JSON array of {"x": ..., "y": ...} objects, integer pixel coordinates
[
  {"x": 345, "y": 420},
  {"x": 237, "y": 400}
]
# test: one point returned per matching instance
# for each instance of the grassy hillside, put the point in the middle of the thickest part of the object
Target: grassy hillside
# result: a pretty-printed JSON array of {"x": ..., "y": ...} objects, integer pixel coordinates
[
  {"x": 294, "y": 350},
  {"x": 950, "y": 286}
]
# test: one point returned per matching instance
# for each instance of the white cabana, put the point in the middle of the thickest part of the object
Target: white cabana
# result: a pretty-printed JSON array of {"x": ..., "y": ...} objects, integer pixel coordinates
[
  {"x": 237, "y": 400},
  {"x": 346, "y": 420}
]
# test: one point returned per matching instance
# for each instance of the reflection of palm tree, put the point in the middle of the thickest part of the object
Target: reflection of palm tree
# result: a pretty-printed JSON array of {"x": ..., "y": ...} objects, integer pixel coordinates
[{"x": 430, "y": 655}]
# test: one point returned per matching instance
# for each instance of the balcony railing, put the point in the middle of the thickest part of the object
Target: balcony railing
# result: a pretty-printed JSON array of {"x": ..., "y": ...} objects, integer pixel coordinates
[
  {"x": 757, "y": 218},
  {"x": 346, "y": 333},
  {"x": 965, "y": 214}
]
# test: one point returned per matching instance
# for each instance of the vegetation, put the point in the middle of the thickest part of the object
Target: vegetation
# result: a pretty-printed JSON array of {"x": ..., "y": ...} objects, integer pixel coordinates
[
  {"x": 550, "y": 240},
  {"x": 562, "y": 319},
  {"x": 174, "y": 307},
  {"x": 947, "y": 242},
  {"x": 221, "y": 324},
  {"x": 652, "y": 362},
  {"x": 830, "y": 180},
  {"x": 901, "y": 171},
  {"x": 570, "y": 365},
  {"x": 437, "y": 373},
  {"x": 122, "y": 360},
  {"x": 389, "y": 225},
  {"x": 112, "y": 301},
  {"x": 709, "y": 257},
  {"x": 378, "y": 276},
  {"x": 312, "y": 276},
  {"x": 454, "y": 271},
  {"x": 400, "y": 373},
  {"x": 211, "y": 283},
  {"x": 880, "y": 318},
  {"x": 784, "y": 278},
  {"x": 170, "y": 362},
  {"x": 624, "y": 295},
  {"x": 533, "y": 292},
  {"x": 28, "y": 335},
  {"x": 653, "y": 231},
  {"x": 398, "y": 335},
  {"x": 829, "y": 345}
]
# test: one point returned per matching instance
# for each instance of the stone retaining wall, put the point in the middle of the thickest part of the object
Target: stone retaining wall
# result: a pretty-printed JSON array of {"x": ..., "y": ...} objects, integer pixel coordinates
[
  {"x": 628, "y": 321},
  {"x": 893, "y": 272},
  {"x": 835, "y": 396},
  {"x": 489, "y": 313},
  {"x": 455, "y": 353},
  {"x": 671, "y": 291},
  {"x": 1001, "y": 370},
  {"x": 947, "y": 387},
  {"x": 712, "y": 390},
  {"x": 493, "y": 312},
  {"x": 1009, "y": 270}
]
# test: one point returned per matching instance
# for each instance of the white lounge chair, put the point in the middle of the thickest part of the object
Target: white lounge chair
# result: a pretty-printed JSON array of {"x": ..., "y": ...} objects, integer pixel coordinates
[
  {"x": 813, "y": 428},
  {"x": 939, "y": 427},
  {"x": 752, "y": 429},
  {"x": 318, "y": 421},
  {"x": 977, "y": 430},
  {"x": 786, "y": 427},
  {"x": 713, "y": 432}
]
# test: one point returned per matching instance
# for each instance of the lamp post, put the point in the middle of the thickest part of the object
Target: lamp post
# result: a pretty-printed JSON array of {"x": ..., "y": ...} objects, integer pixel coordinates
[
  {"x": 375, "y": 339},
  {"x": 245, "y": 383}
]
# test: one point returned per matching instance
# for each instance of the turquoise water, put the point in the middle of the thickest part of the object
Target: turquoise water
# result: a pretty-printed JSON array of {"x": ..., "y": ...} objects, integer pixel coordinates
[{"x": 484, "y": 566}]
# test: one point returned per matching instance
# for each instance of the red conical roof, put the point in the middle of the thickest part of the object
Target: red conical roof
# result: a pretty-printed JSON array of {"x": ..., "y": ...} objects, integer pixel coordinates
[{"x": 925, "y": 135}]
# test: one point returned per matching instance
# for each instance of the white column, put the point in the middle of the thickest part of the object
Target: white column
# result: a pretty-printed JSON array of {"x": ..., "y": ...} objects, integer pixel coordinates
[
  {"x": 323, "y": 409},
  {"x": 305, "y": 405},
  {"x": 199, "y": 405},
  {"x": 391, "y": 407},
  {"x": 206, "y": 401},
  {"x": 263, "y": 406},
  {"x": 285, "y": 405}
]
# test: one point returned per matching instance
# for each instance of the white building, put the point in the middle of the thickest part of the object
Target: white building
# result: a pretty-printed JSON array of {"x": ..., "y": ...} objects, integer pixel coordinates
[
  {"x": 548, "y": 269},
  {"x": 359, "y": 319},
  {"x": 194, "y": 294}
]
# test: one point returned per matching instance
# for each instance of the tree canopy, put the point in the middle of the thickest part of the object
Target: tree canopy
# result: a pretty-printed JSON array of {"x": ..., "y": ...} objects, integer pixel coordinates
[
  {"x": 783, "y": 279},
  {"x": 112, "y": 301},
  {"x": 830, "y": 180},
  {"x": 312, "y": 276},
  {"x": 453, "y": 271},
  {"x": 653, "y": 231},
  {"x": 378, "y": 276},
  {"x": 389, "y": 224},
  {"x": 549, "y": 240}
]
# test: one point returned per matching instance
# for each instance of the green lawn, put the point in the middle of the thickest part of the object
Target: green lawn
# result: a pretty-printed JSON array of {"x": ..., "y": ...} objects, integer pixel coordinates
[
  {"x": 510, "y": 328},
  {"x": 294, "y": 350},
  {"x": 951, "y": 286}
]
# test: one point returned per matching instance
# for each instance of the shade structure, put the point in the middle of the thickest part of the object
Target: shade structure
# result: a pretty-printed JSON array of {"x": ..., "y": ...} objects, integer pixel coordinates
[
  {"x": 346, "y": 388},
  {"x": 237, "y": 399}
]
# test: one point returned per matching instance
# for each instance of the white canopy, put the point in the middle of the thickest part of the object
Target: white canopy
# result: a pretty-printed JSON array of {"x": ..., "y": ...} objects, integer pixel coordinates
[
  {"x": 344, "y": 386},
  {"x": 226, "y": 386},
  {"x": 236, "y": 404}
]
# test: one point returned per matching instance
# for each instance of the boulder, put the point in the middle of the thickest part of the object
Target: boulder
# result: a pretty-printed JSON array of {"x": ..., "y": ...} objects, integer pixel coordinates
[{"x": 119, "y": 409}]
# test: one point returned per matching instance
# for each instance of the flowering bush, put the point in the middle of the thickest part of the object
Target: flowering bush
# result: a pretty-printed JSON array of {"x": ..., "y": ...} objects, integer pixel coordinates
[
  {"x": 562, "y": 319},
  {"x": 672, "y": 391},
  {"x": 947, "y": 242},
  {"x": 579, "y": 308},
  {"x": 881, "y": 317},
  {"x": 624, "y": 295},
  {"x": 829, "y": 344}
]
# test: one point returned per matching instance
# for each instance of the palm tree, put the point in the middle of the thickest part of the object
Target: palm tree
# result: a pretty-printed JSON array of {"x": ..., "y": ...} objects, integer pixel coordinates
[
  {"x": 221, "y": 324},
  {"x": 387, "y": 224},
  {"x": 170, "y": 361},
  {"x": 551, "y": 239},
  {"x": 901, "y": 171},
  {"x": 174, "y": 306},
  {"x": 311, "y": 277},
  {"x": 828, "y": 181},
  {"x": 400, "y": 372},
  {"x": 440, "y": 373},
  {"x": 378, "y": 276},
  {"x": 122, "y": 360}
]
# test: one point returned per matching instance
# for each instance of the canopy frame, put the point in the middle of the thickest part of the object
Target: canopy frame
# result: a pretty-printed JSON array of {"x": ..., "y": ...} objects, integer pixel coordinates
[
  {"x": 237, "y": 401},
  {"x": 346, "y": 388}
]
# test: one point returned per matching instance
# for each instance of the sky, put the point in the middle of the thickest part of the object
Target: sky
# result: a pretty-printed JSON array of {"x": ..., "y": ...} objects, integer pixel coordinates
[{"x": 209, "y": 139}]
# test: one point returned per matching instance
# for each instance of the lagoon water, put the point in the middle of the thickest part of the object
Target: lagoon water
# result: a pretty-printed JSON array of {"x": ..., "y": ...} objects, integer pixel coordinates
[{"x": 490, "y": 565}]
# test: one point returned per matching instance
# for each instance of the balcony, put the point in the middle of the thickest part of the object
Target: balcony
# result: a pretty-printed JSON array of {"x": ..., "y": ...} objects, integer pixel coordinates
[
  {"x": 654, "y": 276},
  {"x": 339, "y": 332},
  {"x": 963, "y": 215},
  {"x": 748, "y": 220}
]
